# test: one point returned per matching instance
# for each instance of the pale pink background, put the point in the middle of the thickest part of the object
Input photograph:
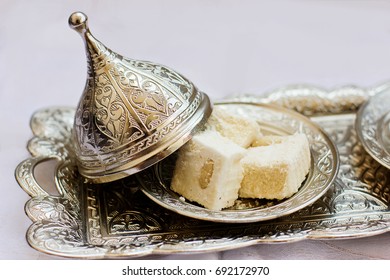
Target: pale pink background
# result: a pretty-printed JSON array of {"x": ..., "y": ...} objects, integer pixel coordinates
[{"x": 224, "y": 47}]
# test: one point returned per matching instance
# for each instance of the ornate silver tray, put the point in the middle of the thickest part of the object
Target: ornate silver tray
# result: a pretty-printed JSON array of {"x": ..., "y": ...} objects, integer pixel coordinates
[
  {"x": 116, "y": 220},
  {"x": 155, "y": 182}
]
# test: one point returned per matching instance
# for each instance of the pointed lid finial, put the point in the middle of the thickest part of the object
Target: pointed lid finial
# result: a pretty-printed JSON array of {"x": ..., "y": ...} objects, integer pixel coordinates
[
  {"x": 79, "y": 22},
  {"x": 132, "y": 113}
]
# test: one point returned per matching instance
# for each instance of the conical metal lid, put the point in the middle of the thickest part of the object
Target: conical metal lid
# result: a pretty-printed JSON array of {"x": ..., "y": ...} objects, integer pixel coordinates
[{"x": 132, "y": 113}]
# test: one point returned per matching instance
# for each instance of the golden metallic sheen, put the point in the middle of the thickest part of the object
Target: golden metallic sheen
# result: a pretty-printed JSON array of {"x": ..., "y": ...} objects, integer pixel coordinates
[{"x": 132, "y": 113}]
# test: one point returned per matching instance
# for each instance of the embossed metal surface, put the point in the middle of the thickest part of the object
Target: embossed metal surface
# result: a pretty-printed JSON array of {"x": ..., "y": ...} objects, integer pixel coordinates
[
  {"x": 132, "y": 113},
  {"x": 155, "y": 181},
  {"x": 373, "y": 127},
  {"x": 93, "y": 221}
]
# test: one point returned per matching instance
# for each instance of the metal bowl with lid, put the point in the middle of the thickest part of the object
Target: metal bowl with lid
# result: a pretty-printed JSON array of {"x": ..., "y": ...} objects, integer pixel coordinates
[{"x": 132, "y": 113}]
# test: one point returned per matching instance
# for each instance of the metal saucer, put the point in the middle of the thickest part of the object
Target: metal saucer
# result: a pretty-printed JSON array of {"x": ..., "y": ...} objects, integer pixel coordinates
[{"x": 155, "y": 182}]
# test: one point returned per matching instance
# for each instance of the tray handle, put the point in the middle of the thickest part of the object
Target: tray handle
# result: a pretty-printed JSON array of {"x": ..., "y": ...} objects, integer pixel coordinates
[{"x": 24, "y": 175}]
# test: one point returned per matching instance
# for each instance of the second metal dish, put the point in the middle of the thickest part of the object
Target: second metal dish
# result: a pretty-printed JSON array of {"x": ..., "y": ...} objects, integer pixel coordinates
[{"x": 373, "y": 127}]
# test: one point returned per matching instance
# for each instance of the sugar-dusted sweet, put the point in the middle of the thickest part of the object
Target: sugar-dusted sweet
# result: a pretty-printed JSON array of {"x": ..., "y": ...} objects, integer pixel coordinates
[
  {"x": 208, "y": 170},
  {"x": 276, "y": 167},
  {"x": 242, "y": 131}
]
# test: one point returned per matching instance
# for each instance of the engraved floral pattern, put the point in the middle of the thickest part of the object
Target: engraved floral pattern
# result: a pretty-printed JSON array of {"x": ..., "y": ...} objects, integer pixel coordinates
[{"x": 129, "y": 107}]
